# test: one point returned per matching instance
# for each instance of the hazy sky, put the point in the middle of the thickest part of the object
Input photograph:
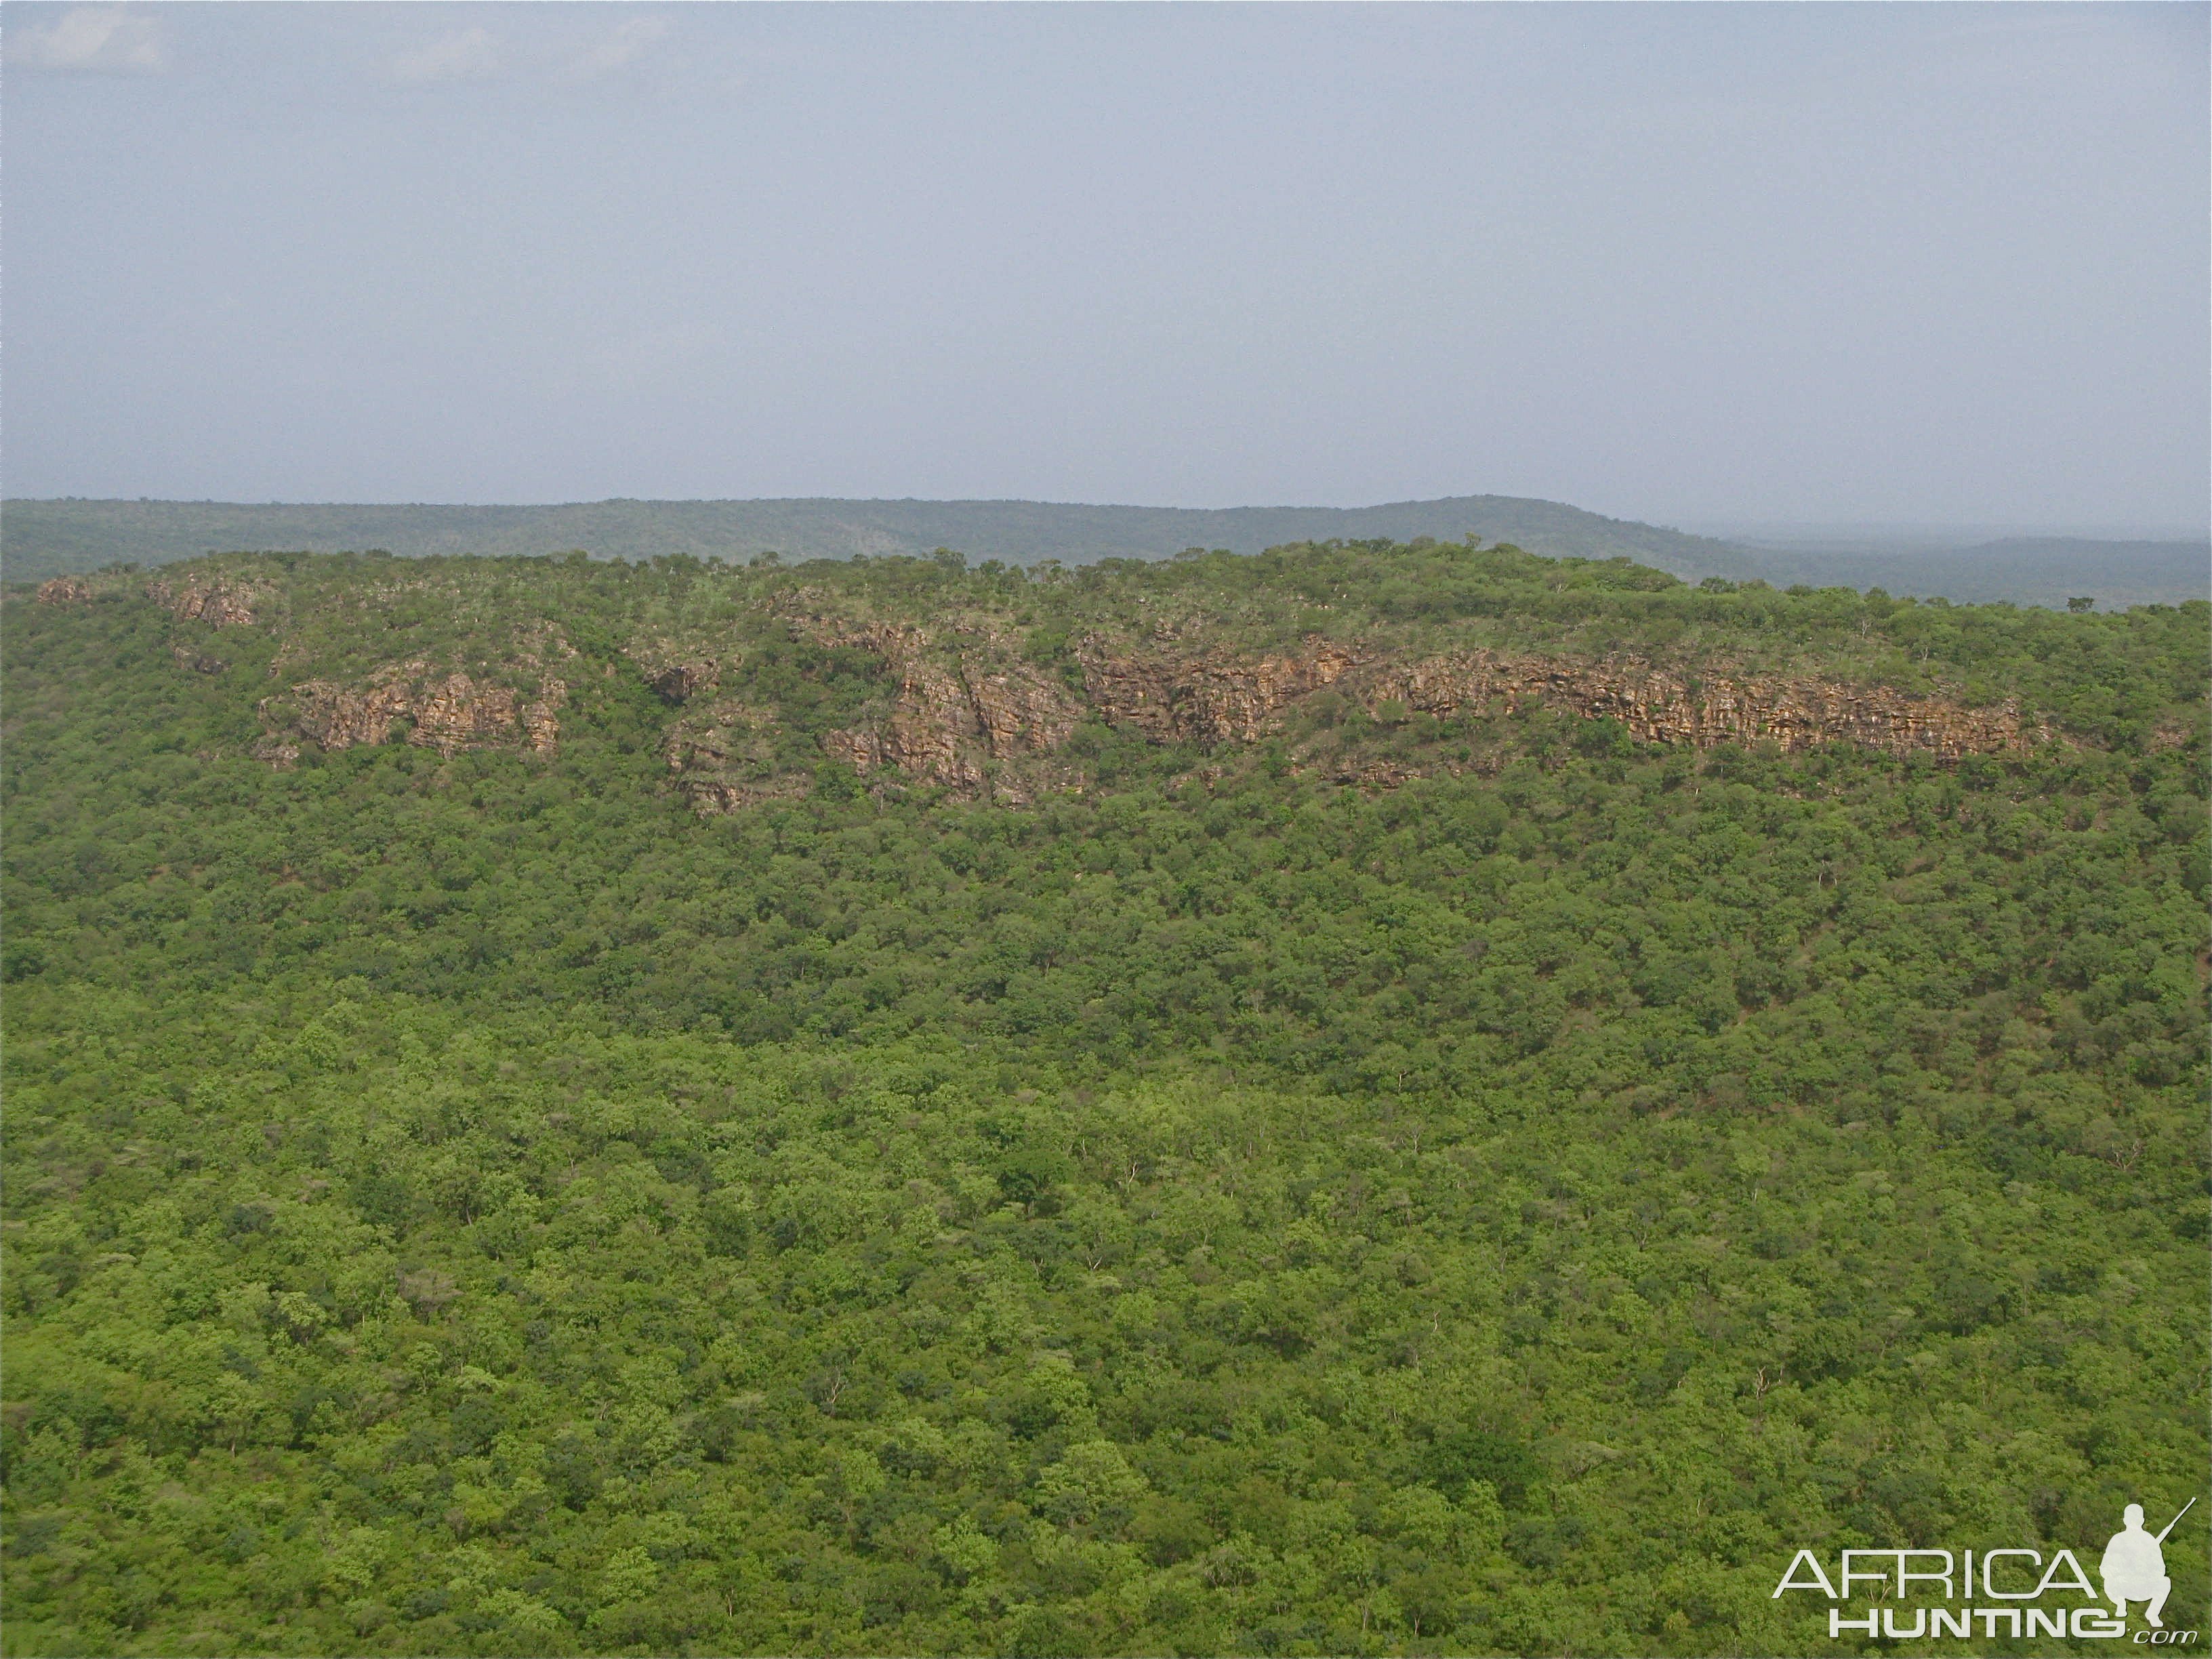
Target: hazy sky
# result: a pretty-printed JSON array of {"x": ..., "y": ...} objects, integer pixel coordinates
[{"x": 1684, "y": 263}]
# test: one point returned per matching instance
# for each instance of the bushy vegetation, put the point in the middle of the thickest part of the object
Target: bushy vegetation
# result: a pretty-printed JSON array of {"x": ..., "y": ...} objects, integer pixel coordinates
[{"x": 476, "y": 1205}]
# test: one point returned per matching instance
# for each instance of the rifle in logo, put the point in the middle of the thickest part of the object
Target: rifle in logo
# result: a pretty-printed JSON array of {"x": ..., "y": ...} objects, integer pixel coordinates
[{"x": 2134, "y": 1567}]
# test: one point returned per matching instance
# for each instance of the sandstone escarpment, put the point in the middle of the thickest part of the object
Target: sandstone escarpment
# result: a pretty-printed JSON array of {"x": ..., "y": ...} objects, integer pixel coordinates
[
  {"x": 1178, "y": 694},
  {"x": 64, "y": 590},
  {"x": 449, "y": 712},
  {"x": 332, "y": 716},
  {"x": 1207, "y": 696},
  {"x": 1660, "y": 706},
  {"x": 218, "y": 601},
  {"x": 968, "y": 714},
  {"x": 985, "y": 702},
  {"x": 971, "y": 715},
  {"x": 679, "y": 681},
  {"x": 724, "y": 756}
]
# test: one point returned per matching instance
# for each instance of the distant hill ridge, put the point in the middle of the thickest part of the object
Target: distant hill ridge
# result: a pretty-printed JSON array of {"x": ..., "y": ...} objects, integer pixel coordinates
[
  {"x": 2044, "y": 570},
  {"x": 40, "y": 538},
  {"x": 53, "y": 537}
]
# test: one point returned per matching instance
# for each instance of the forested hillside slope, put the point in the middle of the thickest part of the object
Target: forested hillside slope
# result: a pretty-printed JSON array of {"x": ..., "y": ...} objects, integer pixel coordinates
[{"x": 1369, "y": 1098}]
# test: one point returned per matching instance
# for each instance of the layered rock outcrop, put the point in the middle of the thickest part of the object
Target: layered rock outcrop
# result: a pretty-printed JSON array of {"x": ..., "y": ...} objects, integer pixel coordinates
[
  {"x": 333, "y": 717},
  {"x": 1660, "y": 706},
  {"x": 968, "y": 714},
  {"x": 971, "y": 702},
  {"x": 1207, "y": 696},
  {"x": 971, "y": 715},
  {"x": 448, "y": 712},
  {"x": 218, "y": 601},
  {"x": 724, "y": 756},
  {"x": 1179, "y": 695},
  {"x": 679, "y": 683}
]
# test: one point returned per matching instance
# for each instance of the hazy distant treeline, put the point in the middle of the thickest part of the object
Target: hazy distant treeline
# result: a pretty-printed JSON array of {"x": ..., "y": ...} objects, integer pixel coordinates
[
  {"x": 42, "y": 539},
  {"x": 48, "y": 537}
]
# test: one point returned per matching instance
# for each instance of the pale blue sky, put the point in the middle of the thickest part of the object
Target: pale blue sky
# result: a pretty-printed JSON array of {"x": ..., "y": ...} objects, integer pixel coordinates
[{"x": 1684, "y": 263}]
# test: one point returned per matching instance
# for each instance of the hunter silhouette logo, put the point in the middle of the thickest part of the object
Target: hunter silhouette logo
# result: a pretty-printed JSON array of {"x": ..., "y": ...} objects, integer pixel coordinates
[
  {"x": 2134, "y": 1567},
  {"x": 2021, "y": 1593}
]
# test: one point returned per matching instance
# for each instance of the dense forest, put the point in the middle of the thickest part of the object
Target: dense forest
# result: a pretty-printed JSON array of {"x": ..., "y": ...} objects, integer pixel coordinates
[{"x": 1369, "y": 1098}]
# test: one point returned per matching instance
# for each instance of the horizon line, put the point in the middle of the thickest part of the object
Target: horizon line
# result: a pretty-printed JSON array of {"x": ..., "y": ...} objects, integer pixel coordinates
[{"x": 1719, "y": 527}]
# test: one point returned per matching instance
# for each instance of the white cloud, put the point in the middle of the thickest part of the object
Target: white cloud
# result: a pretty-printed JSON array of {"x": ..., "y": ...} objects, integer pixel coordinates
[
  {"x": 99, "y": 40},
  {"x": 465, "y": 55},
  {"x": 617, "y": 49}
]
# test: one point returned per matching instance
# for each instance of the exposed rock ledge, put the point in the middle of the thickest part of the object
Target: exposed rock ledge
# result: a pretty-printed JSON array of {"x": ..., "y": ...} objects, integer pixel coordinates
[
  {"x": 1212, "y": 696},
  {"x": 968, "y": 714},
  {"x": 971, "y": 715},
  {"x": 1659, "y": 705},
  {"x": 218, "y": 601},
  {"x": 450, "y": 711},
  {"x": 1209, "y": 696}
]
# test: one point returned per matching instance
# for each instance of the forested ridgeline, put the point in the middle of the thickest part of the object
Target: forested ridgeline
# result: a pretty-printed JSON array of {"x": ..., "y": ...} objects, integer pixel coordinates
[
  {"x": 1363, "y": 1099},
  {"x": 42, "y": 539}
]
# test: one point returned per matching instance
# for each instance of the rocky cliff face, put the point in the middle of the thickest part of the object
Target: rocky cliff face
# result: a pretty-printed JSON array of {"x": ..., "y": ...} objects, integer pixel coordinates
[
  {"x": 1660, "y": 706},
  {"x": 723, "y": 756},
  {"x": 449, "y": 712},
  {"x": 1178, "y": 694},
  {"x": 1206, "y": 696},
  {"x": 218, "y": 601},
  {"x": 972, "y": 716},
  {"x": 443, "y": 705},
  {"x": 968, "y": 714},
  {"x": 680, "y": 682},
  {"x": 966, "y": 709}
]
